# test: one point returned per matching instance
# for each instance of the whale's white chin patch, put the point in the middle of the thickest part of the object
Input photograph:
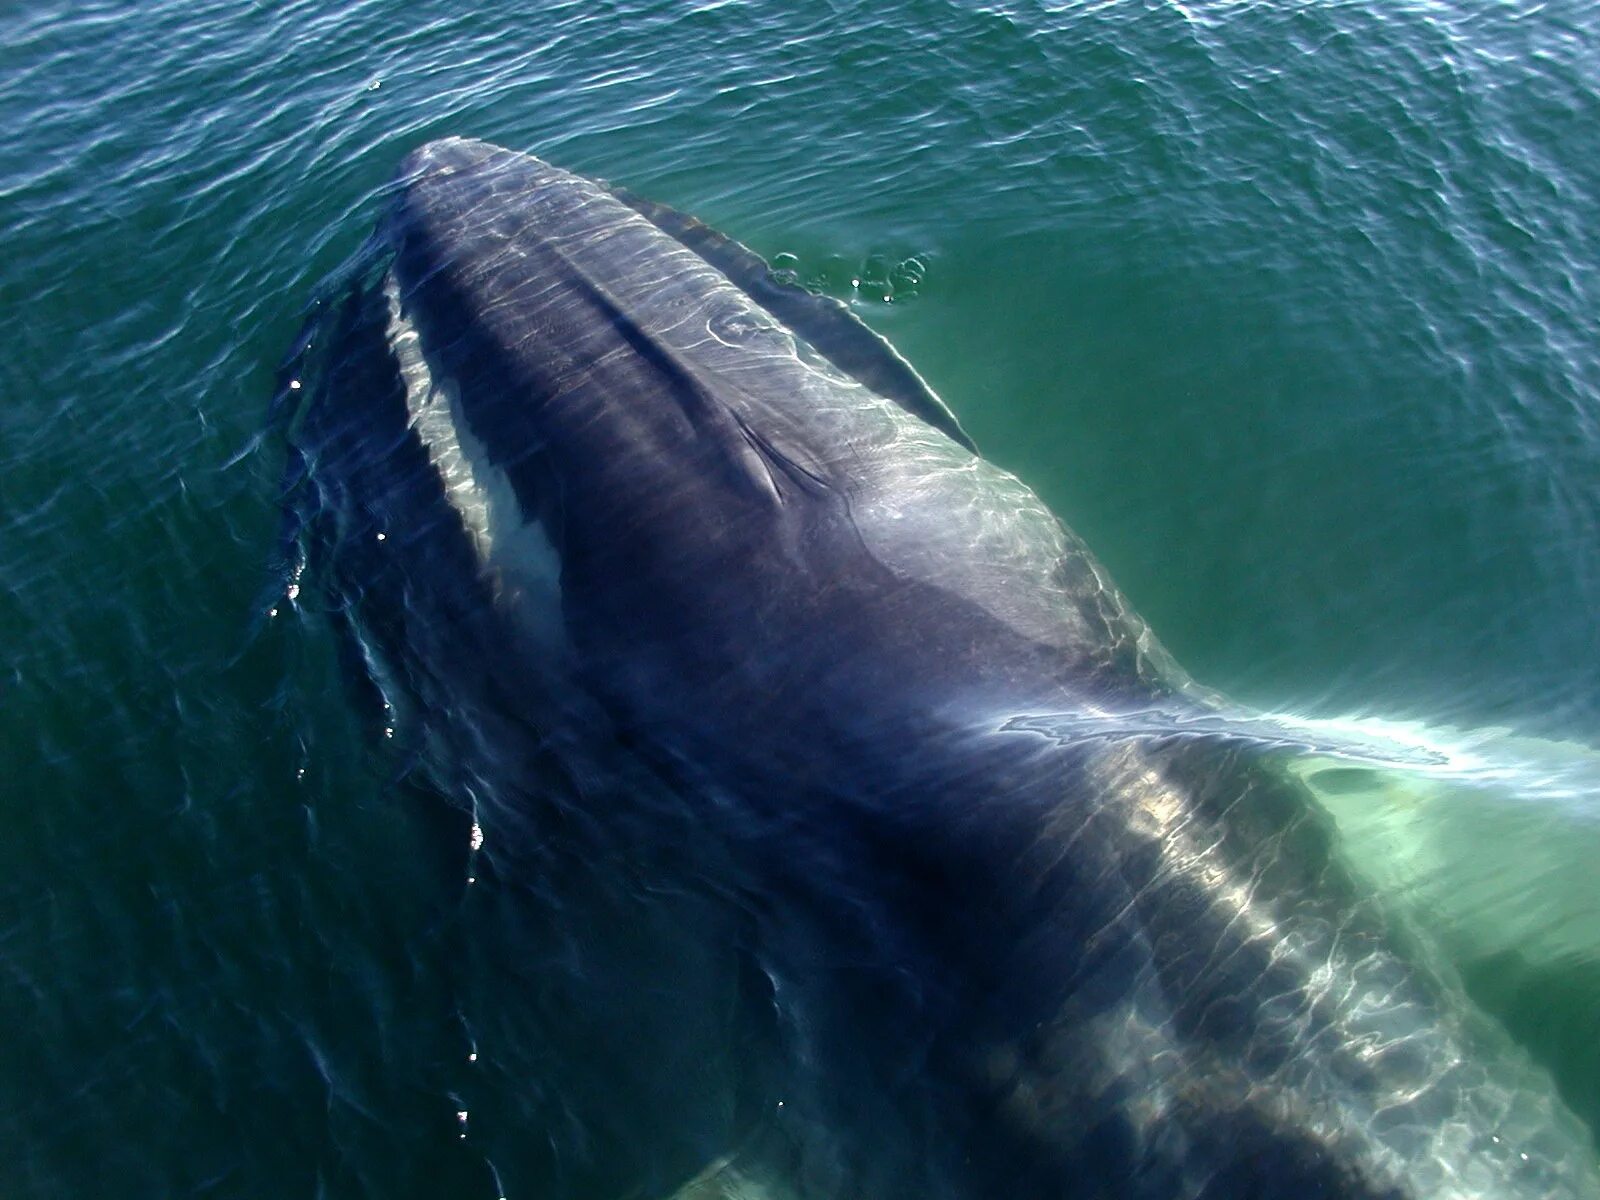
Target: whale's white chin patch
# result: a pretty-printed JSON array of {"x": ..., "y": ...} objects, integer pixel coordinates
[{"x": 515, "y": 554}]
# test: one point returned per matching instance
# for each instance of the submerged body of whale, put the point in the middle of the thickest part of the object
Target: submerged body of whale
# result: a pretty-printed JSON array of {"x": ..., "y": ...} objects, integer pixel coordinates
[{"x": 867, "y": 844}]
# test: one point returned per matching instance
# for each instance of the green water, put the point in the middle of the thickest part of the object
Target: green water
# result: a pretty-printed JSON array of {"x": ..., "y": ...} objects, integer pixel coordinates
[{"x": 1290, "y": 309}]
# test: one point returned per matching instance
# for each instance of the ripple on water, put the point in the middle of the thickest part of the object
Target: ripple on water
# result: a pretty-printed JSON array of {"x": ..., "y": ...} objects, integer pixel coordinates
[{"x": 1290, "y": 309}]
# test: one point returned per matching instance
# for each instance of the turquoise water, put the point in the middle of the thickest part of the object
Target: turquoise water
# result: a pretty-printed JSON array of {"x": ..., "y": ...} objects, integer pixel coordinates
[{"x": 1289, "y": 309}]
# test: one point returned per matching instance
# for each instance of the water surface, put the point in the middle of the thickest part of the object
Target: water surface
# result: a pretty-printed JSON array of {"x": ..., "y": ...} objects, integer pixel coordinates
[{"x": 1290, "y": 309}]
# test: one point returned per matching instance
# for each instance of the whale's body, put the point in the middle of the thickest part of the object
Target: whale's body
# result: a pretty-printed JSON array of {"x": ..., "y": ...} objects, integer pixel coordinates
[{"x": 964, "y": 889}]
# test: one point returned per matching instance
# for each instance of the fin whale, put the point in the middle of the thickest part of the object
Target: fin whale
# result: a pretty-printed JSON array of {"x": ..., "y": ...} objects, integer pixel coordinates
[{"x": 867, "y": 842}]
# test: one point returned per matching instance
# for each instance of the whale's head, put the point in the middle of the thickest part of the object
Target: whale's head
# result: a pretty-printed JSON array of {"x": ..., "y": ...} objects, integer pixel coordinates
[{"x": 679, "y": 458}]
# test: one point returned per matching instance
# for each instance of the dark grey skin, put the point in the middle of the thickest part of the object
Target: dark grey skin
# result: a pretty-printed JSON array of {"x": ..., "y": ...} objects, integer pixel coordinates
[{"x": 955, "y": 885}]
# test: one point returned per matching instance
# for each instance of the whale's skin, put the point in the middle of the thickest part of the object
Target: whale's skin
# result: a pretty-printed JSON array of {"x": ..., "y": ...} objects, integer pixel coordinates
[{"x": 686, "y": 608}]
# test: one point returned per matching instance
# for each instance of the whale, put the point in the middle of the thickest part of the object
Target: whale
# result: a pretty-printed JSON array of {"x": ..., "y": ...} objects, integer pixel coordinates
[{"x": 852, "y": 833}]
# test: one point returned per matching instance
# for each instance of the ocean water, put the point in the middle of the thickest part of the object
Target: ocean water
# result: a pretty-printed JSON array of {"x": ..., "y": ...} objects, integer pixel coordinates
[{"x": 1290, "y": 309}]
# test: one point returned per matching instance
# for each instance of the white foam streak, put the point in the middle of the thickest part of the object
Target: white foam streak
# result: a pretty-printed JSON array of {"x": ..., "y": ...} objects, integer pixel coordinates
[{"x": 1495, "y": 840}]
